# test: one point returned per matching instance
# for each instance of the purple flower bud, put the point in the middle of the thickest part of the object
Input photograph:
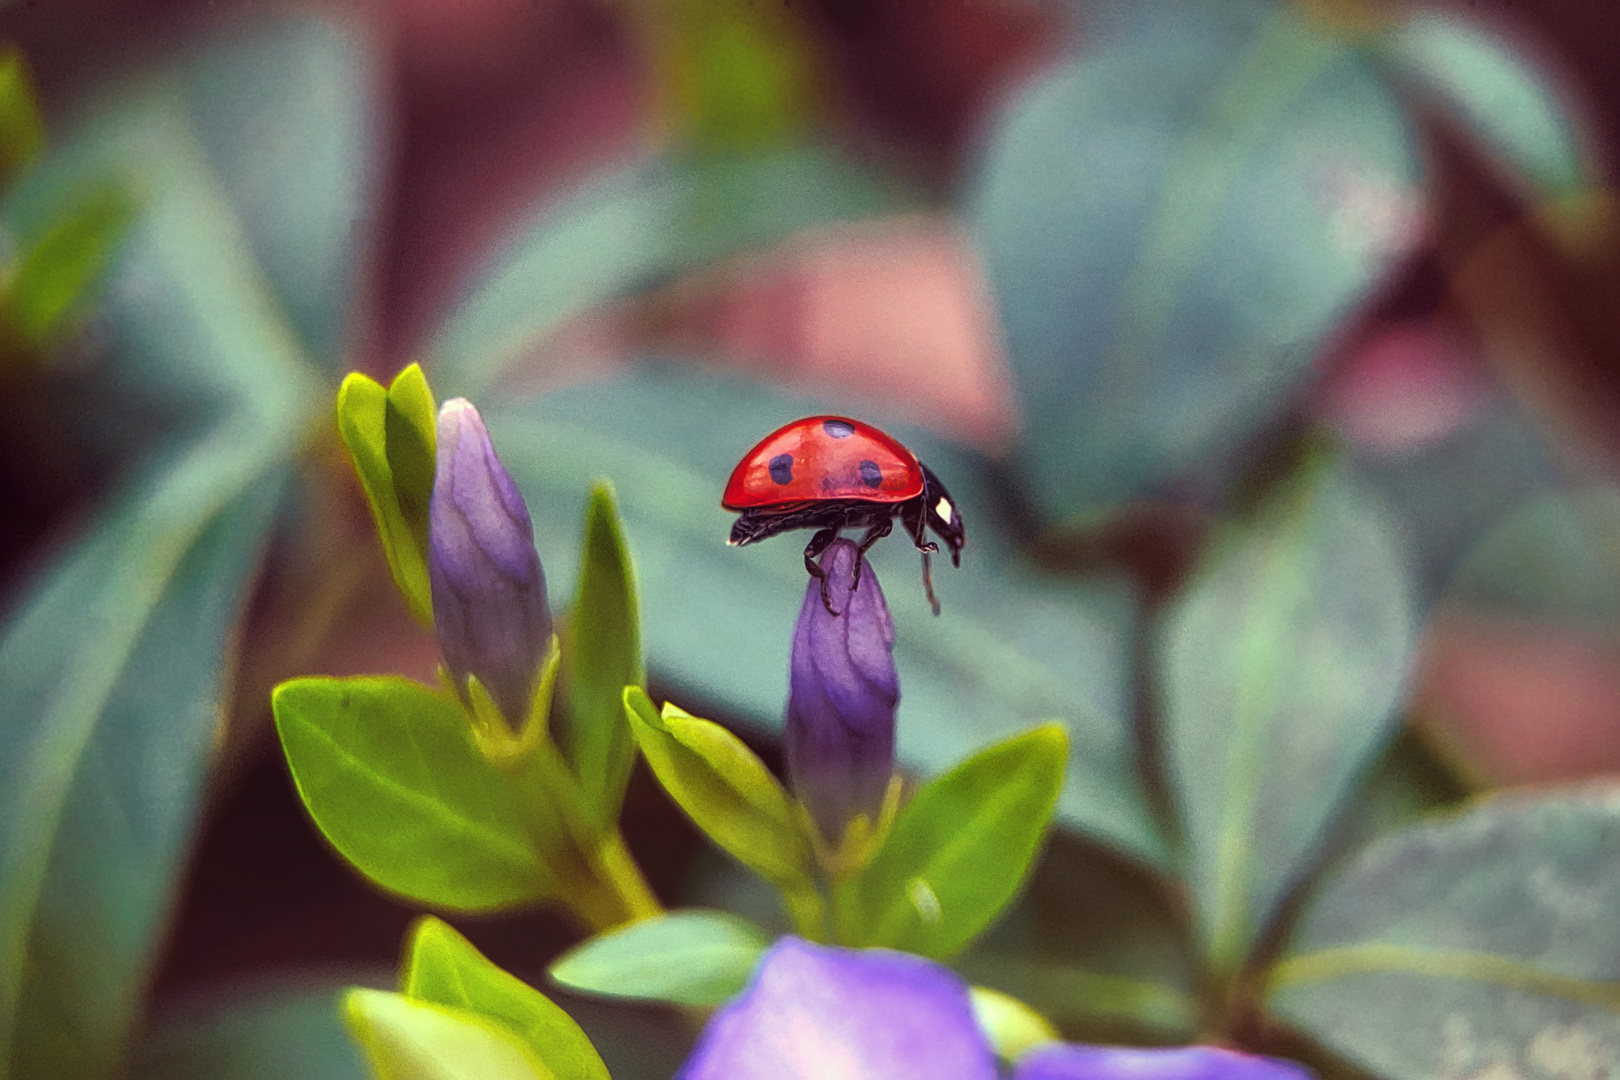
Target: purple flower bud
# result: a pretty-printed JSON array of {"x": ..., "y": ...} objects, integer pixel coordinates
[
  {"x": 1070, "y": 1062},
  {"x": 872, "y": 1014},
  {"x": 489, "y": 592},
  {"x": 842, "y": 695}
]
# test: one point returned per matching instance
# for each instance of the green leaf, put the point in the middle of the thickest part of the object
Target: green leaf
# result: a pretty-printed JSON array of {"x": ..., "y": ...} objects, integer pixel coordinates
[
  {"x": 1011, "y": 1027},
  {"x": 1173, "y": 222},
  {"x": 1280, "y": 670},
  {"x": 55, "y": 275},
  {"x": 22, "y": 128},
  {"x": 263, "y": 1034},
  {"x": 443, "y": 968},
  {"x": 633, "y": 229},
  {"x": 388, "y": 770},
  {"x": 412, "y": 1040},
  {"x": 1479, "y": 942},
  {"x": 606, "y": 657},
  {"x": 1013, "y": 646},
  {"x": 959, "y": 850},
  {"x": 391, "y": 436},
  {"x": 724, "y": 788},
  {"x": 690, "y": 957},
  {"x": 1499, "y": 94}
]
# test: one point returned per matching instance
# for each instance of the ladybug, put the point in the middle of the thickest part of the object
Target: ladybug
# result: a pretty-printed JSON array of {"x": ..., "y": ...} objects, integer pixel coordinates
[{"x": 831, "y": 473}]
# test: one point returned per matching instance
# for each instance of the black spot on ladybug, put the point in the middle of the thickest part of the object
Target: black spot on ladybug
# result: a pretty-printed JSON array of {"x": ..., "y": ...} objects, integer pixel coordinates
[
  {"x": 838, "y": 429},
  {"x": 871, "y": 475},
  {"x": 782, "y": 468}
]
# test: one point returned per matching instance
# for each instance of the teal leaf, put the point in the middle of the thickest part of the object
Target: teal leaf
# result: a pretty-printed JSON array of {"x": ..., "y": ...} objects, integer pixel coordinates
[
  {"x": 57, "y": 275},
  {"x": 690, "y": 957},
  {"x": 1479, "y": 942},
  {"x": 630, "y": 230},
  {"x": 264, "y": 1034},
  {"x": 959, "y": 851},
  {"x": 443, "y": 968},
  {"x": 111, "y": 665},
  {"x": 1173, "y": 222},
  {"x": 1013, "y": 645},
  {"x": 1499, "y": 94},
  {"x": 1280, "y": 670},
  {"x": 288, "y": 117},
  {"x": 389, "y": 772},
  {"x": 605, "y": 633},
  {"x": 112, "y": 673},
  {"x": 413, "y": 1040},
  {"x": 725, "y": 789}
]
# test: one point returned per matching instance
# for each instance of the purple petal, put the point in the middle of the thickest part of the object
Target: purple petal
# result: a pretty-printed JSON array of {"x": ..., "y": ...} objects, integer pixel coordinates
[
  {"x": 843, "y": 691},
  {"x": 820, "y": 1013},
  {"x": 489, "y": 591},
  {"x": 1071, "y": 1062}
]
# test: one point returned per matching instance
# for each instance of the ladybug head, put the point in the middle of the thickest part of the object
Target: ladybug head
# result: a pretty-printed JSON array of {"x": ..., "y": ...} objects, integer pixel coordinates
[{"x": 939, "y": 510}]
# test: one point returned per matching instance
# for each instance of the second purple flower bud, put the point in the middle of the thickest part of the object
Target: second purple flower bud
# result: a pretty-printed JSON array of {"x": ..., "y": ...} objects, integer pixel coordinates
[{"x": 842, "y": 695}]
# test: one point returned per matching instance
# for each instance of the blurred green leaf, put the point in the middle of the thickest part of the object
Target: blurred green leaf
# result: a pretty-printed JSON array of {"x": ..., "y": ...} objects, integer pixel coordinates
[
  {"x": 443, "y": 968},
  {"x": 111, "y": 677},
  {"x": 111, "y": 666},
  {"x": 391, "y": 437},
  {"x": 1479, "y": 942},
  {"x": 55, "y": 275},
  {"x": 1173, "y": 223},
  {"x": 267, "y": 1034},
  {"x": 288, "y": 114},
  {"x": 959, "y": 850},
  {"x": 635, "y": 229},
  {"x": 725, "y": 789},
  {"x": 412, "y": 1040},
  {"x": 605, "y": 658},
  {"x": 1280, "y": 670},
  {"x": 388, "y": 770},
  {"x": 1499, "y": 93},
  {"x": 1013, "y": 645},
  {"x": 688, "y": 957},
  {"x": 22, "y": 127}
]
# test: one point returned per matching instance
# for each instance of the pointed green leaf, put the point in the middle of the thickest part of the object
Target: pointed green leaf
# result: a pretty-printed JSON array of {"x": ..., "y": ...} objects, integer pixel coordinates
[
  {"x": 443, "y": 968},
  {"x": 959, "y": 851},
  {"x": 724, "y": 788},
  {"x": 690, "y": 957},
  {"x": 388, "y": 770},
  {"x": 1477, "y": 943},
  {"x": 1499, "y": 94},
  {"x": 391, "y": 435},
  {"x": 413, "y": 1040},
  {"x": 605, "y": 658},
  {"x": 1280, "y": 671},
  {"x": 22, "y": 128},
  {"x": 55, "y": 276}
]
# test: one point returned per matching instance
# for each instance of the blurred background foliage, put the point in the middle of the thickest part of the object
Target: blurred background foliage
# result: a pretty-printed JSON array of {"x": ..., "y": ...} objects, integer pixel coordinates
[{"x": 1268, "y": 347}]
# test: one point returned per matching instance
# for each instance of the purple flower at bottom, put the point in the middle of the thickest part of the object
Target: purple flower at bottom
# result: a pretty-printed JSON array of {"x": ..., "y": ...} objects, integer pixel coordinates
[
  {"x": 1070, "y": 1062},
  {"x": 842, "y": 695},
  {"x": 489, "y": 591},
  {"x": 815, "y": 1012},
  {"x": 819, "y": 1013}
]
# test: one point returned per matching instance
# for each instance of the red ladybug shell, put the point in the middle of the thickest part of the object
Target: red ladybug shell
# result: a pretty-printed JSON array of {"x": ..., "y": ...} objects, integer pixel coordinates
[{"x": 820, "y": 458}]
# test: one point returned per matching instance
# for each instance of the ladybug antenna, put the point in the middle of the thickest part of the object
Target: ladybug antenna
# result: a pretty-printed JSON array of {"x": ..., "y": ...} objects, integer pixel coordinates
[{"x": 928, "y": 584}]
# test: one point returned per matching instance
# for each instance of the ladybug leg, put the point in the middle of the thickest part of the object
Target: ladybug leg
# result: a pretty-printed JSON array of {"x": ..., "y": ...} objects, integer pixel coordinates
[
  {"x": 812, "y": 551},
  {"x": 873, "y": 535}
]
